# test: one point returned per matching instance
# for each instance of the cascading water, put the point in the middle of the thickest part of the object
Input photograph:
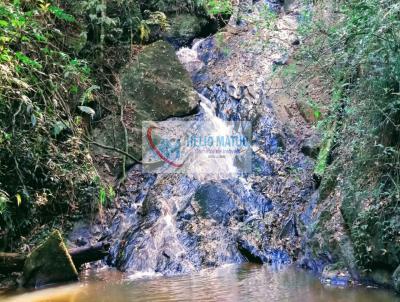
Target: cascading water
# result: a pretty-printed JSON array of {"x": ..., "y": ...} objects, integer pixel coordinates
[{"x": 180, "y": 223}]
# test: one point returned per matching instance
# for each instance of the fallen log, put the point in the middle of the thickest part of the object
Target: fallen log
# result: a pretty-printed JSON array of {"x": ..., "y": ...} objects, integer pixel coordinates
[
  {"x": 11, "y": 262},
  {"x": 14, "y": 262},
  {"x": 86, "y": 254}
]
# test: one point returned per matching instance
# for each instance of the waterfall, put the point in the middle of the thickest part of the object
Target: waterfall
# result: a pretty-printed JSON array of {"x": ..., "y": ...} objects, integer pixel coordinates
[
  {"x": 211, "y": 125},
  {"x": 189, "y": 57},
  {"x": 212, "y": 213}
]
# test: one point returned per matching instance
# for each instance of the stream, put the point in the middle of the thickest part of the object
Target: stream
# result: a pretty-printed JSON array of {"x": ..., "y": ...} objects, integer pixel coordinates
[{"x": 248, "y": 282}]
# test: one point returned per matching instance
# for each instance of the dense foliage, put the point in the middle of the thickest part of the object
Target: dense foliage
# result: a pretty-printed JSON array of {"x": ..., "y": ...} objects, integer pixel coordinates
[
  {"x": 372, "y": 130},
  {"x": 353, "y": 47},
  {"x": 45, "y": 167},
  {"x": 58, "y": 66}
]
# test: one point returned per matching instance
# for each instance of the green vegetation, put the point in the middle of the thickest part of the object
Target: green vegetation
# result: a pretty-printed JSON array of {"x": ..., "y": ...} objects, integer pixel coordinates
[
  {"x": 45, "y": 167},
  {"x": 58, "y": 66},
  {"x": 218, "y": 7},
  {"x": 357, "y": 58}
]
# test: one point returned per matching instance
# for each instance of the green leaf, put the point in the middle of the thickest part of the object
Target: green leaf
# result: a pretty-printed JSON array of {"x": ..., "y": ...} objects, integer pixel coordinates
[
  {"x": 102, "y": 196},
  {"x": 58, "y": 127},
  {"x": 4, "y": 200},
  {"x": 27, "y": 61},
  {"x": 61, "y": 14},
  {"x": 100, "y": 7},
  {"x": 111, "y": 193},
  {"x": 40, "y": 38},
  {"x": 5, "y": 39},
  {"x": 3, "y": 23},
  {"x": 88, "y": 94},
  {"x": 92, "y": 17},
  {"x": 74, "y": 89}
]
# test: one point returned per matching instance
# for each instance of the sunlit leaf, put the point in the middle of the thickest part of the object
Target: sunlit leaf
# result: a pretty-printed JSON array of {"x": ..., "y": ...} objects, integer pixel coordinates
[
  {"x": 19, "y": 199},
  {"x": 87, "y": 110},
  {"x": 3, "y": 23}
]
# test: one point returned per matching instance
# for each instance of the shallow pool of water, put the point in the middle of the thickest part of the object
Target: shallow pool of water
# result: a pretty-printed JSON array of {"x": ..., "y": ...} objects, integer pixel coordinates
[{"x": 231, "y": 283}]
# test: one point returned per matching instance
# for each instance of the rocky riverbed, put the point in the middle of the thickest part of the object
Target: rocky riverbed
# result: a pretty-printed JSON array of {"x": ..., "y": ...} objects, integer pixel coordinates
[{"x": 173, "y": 224}]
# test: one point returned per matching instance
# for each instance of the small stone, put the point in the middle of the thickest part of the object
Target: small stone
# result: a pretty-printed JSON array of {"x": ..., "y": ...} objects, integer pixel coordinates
[
  {"x": 81, "y": 241},
  {"x": 296, "y": 42},
  {"x": 310, "y": 114},
  {"x": 335, "y": 277}
]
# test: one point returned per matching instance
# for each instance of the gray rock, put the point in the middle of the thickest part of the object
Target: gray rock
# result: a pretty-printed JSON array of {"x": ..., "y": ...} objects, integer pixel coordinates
[
  {"x": 155, "y": 87},
  {"x": 396, "y": 279},
  {"x": 311, "y": 146}
]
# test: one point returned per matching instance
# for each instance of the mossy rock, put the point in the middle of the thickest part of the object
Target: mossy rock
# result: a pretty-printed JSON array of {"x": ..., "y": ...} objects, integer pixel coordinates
[
  {"x": 49, "y": 263},
  {"x": 329, "y": 181},
  {"x": 325, "y": 151},
  {"x": 154, "y": 87},
  {"x": 184, "y": 28},
  {"x": 158, "y": 85}
]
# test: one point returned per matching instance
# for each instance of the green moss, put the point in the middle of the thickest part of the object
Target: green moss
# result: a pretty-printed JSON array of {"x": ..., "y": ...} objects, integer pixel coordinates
[
  {"x": 49, "y": 263},
  {"x": 325, "y": 151},
  {"x": 329, "y": 180}
]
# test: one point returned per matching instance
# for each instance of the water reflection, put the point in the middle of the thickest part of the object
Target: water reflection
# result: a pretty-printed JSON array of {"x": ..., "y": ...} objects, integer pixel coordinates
[{"x": 231, "y": 283}]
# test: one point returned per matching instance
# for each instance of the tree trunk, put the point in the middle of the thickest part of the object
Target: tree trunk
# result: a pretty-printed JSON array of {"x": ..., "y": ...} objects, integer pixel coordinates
[{"x": 81, "y": 255}]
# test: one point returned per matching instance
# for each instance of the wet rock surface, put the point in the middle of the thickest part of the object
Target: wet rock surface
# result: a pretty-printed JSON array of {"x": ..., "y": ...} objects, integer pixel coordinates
[
  {"x": 173, "y": 224},
  {"x": 312, "y": 146},
  {"x": 336, "y": 277}
]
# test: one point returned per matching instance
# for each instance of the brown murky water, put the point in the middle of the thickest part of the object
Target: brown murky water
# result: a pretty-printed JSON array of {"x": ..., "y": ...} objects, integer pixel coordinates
[{"x": 231, "y": 283}]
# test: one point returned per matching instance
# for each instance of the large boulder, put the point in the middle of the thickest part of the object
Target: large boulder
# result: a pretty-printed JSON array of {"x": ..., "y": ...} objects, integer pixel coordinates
[
  {"x": 49, "y": 263},
  {"x": 154, "y": 87}
]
